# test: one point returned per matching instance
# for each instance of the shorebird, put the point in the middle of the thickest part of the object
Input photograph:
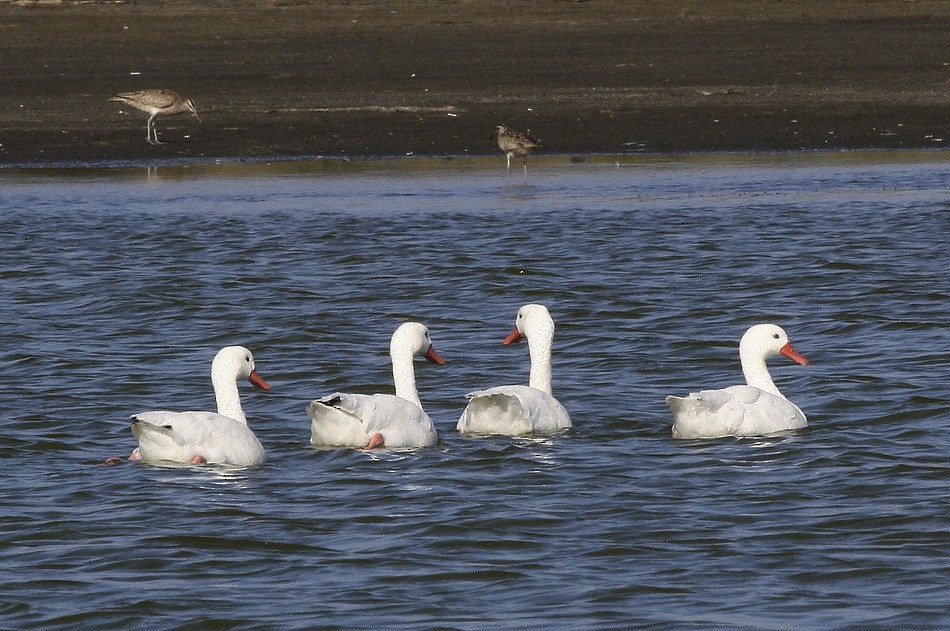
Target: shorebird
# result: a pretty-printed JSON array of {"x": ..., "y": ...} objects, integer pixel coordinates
[
  {"x": 156, "y": 102},
  {"x": 515, "y": 143}
]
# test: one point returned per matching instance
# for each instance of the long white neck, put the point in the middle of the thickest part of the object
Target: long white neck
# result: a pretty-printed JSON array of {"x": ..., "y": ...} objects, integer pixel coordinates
[
  {"x": 227, "y": 397},
  {"x": 539, "y": 349},
  {"x": 755, "y": 371},
  {"x": 404, "y": 375}
]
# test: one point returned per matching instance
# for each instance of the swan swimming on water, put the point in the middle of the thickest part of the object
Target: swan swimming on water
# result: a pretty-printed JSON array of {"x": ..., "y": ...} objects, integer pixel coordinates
[
  {"x": 754, "y": 409},
  {"x": 221, "y": 437},
  {"x": 519, "y": 410},
  {"x": 366, "y": 421}
]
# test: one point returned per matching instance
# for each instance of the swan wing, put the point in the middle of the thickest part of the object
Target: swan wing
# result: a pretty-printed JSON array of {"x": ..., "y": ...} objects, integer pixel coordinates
[
  {"x": 182, "y": 436},
  {"x": 348, "y": 420},
  {"x": 733, "y": 411},
  {"x": 513, "y": 411}
]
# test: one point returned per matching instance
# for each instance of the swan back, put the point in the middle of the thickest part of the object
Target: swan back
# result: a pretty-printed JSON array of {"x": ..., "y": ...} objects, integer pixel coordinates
[
  {"x": 513, "y": 411},
  {"x": 733, "y": 411},
  {"x": 183, "y": 436}
]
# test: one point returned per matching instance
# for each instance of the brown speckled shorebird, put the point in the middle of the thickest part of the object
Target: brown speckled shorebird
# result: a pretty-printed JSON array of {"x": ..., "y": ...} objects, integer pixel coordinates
[
  {"x": 156, "y": 102},
  {"x": 515, "y": 143}
]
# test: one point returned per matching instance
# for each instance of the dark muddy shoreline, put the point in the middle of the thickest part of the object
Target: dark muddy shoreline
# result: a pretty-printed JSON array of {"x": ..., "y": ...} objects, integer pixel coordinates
[{"x": 417, "y": 77}]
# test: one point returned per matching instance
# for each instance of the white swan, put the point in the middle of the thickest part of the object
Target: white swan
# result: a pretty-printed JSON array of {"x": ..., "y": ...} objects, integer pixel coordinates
[
  {"x": 206, "y": 437},
  {"x": 366, "y": 421},
  {"x": 755, "y": 409},
  {"x": 520, "y": 410}
]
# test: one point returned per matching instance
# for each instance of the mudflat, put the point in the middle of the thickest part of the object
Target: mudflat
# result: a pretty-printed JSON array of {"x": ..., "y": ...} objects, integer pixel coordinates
[{"x": 353, "y": 78}]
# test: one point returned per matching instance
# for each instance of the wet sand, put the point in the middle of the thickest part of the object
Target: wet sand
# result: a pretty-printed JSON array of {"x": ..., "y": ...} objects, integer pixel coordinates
[{"x": 415, "y": 77}]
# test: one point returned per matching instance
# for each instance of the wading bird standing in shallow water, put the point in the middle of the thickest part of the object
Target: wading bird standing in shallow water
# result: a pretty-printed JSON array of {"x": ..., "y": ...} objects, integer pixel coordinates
[
  {"x": 156, "y": 102},
  {"x": 515, "y": 144}
]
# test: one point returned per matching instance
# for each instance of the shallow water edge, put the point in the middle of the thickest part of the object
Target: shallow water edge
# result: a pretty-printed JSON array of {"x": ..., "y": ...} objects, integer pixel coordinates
[{"x": 323, "y": 165}]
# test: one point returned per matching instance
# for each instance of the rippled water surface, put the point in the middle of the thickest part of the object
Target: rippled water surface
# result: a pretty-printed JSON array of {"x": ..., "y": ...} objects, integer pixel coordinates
[{"x": 119, "y": 286}]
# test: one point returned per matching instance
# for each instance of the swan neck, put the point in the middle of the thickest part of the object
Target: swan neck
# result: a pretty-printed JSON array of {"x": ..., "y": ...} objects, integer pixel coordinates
[
  {"x": 227, "y": 397},
  {"x": 756, "y": 372},
  {"x": 539, "y": 348},
  {"x": 404, "y": 375}
]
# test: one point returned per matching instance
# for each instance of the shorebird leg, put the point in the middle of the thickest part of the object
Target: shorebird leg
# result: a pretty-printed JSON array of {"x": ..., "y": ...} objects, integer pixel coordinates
[
  {"x": 152, "y": 132},
  {"x": 376, "y": 440},
  {"x": 199, "y": 459}
]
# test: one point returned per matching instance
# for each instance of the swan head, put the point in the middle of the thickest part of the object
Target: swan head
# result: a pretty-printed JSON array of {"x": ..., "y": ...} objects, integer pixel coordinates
[
  {"x": 765, "y": 340},
  {"x": 532, "y": 320},
  {"x": 236, "y": 362},
  {"x": 415, "y": 338}
]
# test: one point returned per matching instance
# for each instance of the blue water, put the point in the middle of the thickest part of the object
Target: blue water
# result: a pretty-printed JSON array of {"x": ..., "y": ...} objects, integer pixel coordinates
[{"x": 118, "y": 286}]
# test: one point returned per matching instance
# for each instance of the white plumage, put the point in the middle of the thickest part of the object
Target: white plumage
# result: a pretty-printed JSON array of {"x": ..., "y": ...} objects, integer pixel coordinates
[
  {"x": 366, "y": 421},
  {"x": 205, "y": 437},
  {"x": 520, "y": 410},
  {"x": 754, "y": 409}
]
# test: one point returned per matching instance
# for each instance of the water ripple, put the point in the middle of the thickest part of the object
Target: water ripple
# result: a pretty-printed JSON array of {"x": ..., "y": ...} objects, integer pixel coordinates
[{"x": 118, "y": 291}]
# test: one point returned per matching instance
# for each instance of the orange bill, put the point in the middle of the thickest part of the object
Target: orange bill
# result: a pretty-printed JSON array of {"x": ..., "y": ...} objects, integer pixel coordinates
[
  {"x": 793, "y": 355},
  {"x": 433, "y": 356},
  {"x": 258, "y": 381},
  {"x": 513, "y": 337}
]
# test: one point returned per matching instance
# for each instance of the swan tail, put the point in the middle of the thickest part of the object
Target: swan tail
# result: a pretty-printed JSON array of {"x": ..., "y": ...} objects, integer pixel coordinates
[
  {"x": 494, "y": 413},
  {"x": 335, "y": 424}
]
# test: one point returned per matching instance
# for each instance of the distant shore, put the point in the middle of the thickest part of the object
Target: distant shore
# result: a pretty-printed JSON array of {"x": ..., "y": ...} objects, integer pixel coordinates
[{"x": 413, "y": 77}]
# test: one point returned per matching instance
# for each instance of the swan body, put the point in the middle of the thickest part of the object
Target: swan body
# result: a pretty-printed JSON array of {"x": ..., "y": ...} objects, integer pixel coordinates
[
  {"x": 206, "y": 437},
  {"x": 197, "y": 438},
  {"x": 754, "y": 409},
  {"x": 366, "y": 421},
  {"x": 520, "y": 410}
]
